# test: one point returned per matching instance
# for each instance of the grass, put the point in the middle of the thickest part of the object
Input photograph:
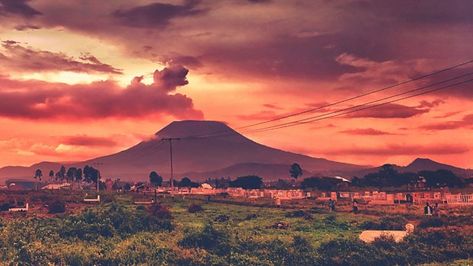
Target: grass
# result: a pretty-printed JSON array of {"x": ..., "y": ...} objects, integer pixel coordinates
[{"x": 316, "y": 230}]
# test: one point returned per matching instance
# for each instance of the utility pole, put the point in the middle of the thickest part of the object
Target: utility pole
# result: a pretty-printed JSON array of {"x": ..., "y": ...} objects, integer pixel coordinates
[{"x": 171, "y": 180}]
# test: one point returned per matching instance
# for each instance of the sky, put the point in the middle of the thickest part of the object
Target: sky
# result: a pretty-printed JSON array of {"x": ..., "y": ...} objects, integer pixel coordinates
[{"x": 81, "y": 79}]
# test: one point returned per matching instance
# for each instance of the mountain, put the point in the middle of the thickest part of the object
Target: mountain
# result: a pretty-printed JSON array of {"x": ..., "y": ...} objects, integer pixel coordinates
[
  {"x": 420, "y": 164},
  {"x": 206, "y": 149}
]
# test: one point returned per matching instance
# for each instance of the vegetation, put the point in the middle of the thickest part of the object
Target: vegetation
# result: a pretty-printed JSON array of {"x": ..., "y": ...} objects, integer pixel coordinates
[
  {"x": 57, "y": 206},
  {"x": 120, "y": 233},
  {"x": 155, "y": 179},
  {"x": 186, "y": 182},
  {"x": 247, "y": 182},
  {"x": 295, "y": 171},
  {"x": 388, "y": 176},
  {"x": 323, "y": 183}
]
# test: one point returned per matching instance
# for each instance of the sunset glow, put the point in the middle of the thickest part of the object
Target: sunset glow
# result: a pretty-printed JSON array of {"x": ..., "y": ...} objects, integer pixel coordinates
[{"x": 74, "y": 87}]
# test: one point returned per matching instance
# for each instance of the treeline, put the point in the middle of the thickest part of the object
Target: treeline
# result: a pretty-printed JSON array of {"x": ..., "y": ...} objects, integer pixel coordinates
[
  {"x": 88, "y": 174},
  {"x": 388, "y": 176}
]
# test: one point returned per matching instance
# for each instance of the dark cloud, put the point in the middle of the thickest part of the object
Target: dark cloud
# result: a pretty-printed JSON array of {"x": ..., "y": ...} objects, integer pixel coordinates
[
  {"x": 24, "y": 27},
  {"x": 156, "y": 14},
  {"x": 365, "y": 131},
  {"x": 43, "y": 100},
  {"x": 89, "y": 141},
  {"x": 396, "y": 149},
  {"x": 184, "y": 60},
  {"x": 171, "y": 77},
  {"x": 17, "y": 7},
  {"x": 415, "y": 12},
  {"x": 465, "y": 122},
  {"x": 26, "y": 59},
  {"x": 391, "y": 110},
  {"x": 259, "y": 1}
]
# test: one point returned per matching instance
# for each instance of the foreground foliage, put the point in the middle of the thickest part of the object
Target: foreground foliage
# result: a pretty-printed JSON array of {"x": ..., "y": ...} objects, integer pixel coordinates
[{"x": 123, "y": 234}]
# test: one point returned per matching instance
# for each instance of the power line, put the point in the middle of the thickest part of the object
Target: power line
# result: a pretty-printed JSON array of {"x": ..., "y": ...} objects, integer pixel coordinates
[
  {"x": 359, "y": 96},
  {"x": 348, "y": 110},
  {"x": 371, "y": 106},
  {"x": 368, "y": 103}
]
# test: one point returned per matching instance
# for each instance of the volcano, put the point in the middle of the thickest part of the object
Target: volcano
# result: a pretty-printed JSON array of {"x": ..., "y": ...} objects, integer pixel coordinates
[{"x": 205, "y": 149}]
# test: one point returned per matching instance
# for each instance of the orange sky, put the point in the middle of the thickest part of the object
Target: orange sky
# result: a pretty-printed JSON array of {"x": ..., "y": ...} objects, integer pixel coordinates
[{"x": 89, "y": 78}]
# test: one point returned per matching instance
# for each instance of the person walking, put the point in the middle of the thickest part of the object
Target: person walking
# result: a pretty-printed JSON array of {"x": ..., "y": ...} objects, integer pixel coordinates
[
  {"x": 428, "y": 209},
  {"x": 355, "y": 206},
  {"x": 331, "y": 205}
]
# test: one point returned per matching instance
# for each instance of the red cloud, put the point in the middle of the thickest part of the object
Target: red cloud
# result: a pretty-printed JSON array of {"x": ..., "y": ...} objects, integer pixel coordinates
[
  {"x": 89, "y": 141},
  {"x": 42, "y": 100},
  {"x": 390, "y": 111},
  {"x": 366, "y": 131},
  {"x": 17, "y": 57},
  {"x": 396, "y": 149},
  {"x": 466, "y": 122}
]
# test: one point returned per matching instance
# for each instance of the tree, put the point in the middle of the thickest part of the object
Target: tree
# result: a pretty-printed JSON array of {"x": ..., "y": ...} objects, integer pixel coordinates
[
  {"x": 91, "y": 174},
  {"x": 323, "y": 183},
  {"x": 78, "y": 175},
  {"x": 155, "y": 179},
  {"x": 247, "y": 182},
  {"x": 295, "y": 171},
  {"x": 71, "y": 173},
  {"x": 61, "y": 174},
  {"x": 186, "y": 182},
  {"x": 442, "y": 178},
  {"x": 38, "y": 174},
  {"x": 51, "y": 174}
]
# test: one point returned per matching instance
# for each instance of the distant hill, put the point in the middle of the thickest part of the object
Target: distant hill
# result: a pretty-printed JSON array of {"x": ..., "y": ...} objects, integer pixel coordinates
[
  {"x": 421, "y": 164},
  {"x": 210, "y": 149},
  {"x": 197, "y": 156}
]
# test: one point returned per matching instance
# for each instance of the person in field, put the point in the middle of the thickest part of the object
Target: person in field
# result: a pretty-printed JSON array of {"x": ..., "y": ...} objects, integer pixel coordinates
[{"x": 428, "y": 211}]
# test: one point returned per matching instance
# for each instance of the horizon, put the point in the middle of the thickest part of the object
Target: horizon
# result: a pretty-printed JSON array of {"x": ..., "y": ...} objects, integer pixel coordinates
[{"x": 77, "y": 87}]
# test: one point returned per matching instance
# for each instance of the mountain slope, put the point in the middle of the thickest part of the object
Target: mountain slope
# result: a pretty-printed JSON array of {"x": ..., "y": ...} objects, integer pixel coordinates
[{"x": 202, "y": 154}]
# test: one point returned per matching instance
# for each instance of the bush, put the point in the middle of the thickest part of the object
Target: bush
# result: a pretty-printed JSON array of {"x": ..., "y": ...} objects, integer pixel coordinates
[
  {"x": 160, "y": 211},
  {"x": 431, "y": 222},
  {"x": 222, "y": 218},
  {"x": 299, "y": 214},
  {"x": 57, "y": 207},
  {"x": 4, "y": 206},
  {"x": 195, "y": 208},
  {"x": 385, "y": 223},
  {"x": 209, "y": 239},
  {"x": 251, "y": 216}
]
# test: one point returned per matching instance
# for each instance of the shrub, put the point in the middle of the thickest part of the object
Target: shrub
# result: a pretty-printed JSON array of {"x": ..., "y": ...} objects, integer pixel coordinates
[
  {"x": 251, "y": 216},
  {"x": 222, "y": 218},
  {"x": 4, "y": 206},
  {"x": 431, "y": 222},
  {"x": 140, "y": 208},
  {"x": 299, "y": 214},
  {"x": 160, "y": 211},
  {"x": 209, "y": 239},
  {"x": 57, "y": 207},
  {"x": 195, "y": 208},
  {"x": 385, "y": 223}
]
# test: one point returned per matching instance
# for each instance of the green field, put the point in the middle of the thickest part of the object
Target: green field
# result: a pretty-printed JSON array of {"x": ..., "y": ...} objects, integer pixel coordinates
[{"x": 121, "y": 233}]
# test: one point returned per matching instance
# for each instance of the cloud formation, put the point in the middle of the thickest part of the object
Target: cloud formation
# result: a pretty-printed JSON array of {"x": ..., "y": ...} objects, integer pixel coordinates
[
  {"x": 156, "y": 14},
  {"x": 17, "y": 7},
  {"x": 465, "y": 122},
  {"x": 90, "y": 141},
  {"x": 366, "y": 131},
  {"x": 397, "y": 149},
  {"x": 391, "y": 110},
  {"x": 42, "y": 100},
  {"x": 14, "y": 56}
]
